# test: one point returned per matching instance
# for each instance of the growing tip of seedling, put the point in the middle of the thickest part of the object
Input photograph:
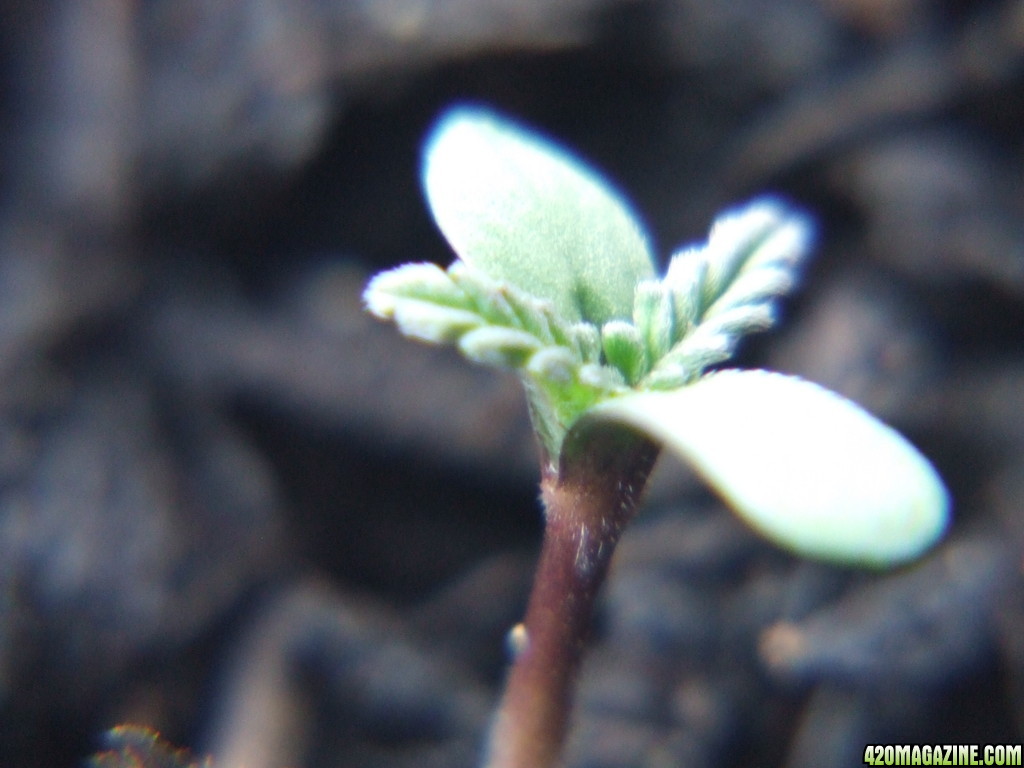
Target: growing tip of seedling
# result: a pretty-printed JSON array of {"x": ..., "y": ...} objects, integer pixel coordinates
[{"x": 554, "y": 279}]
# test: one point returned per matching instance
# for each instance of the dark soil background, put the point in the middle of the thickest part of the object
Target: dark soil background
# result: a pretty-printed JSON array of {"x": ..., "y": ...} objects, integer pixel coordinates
[{"x": 236, "y": 509}]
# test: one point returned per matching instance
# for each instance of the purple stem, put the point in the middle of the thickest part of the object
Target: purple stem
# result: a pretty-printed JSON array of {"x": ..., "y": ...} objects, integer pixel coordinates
[{"x": 586, "y": 507}]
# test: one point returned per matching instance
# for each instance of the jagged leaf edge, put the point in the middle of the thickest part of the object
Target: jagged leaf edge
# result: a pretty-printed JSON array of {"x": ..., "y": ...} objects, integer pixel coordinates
[{"x": 497, "y": 325}]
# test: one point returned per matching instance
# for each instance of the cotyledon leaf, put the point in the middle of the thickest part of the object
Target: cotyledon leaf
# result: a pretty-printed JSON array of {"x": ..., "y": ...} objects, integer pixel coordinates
[
  {"x": 809, "y": 469},
  {"x": 525, "y": 211}
]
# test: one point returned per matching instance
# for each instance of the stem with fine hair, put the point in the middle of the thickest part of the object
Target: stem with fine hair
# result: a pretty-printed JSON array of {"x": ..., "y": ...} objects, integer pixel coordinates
[{"x": 587, "y": 504}]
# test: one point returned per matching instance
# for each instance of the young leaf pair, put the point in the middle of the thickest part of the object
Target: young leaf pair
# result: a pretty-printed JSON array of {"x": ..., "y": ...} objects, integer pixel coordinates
[{"x": 555, "y": 279}]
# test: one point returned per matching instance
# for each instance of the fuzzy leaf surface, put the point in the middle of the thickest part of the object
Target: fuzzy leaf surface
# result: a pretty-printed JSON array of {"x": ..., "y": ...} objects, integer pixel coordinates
[
  {"x": 524, "y": 211},
  {"x": 498, "y": 325},
  {"x": 807, "y": 468},
  {"x": 723, "y": 289}
]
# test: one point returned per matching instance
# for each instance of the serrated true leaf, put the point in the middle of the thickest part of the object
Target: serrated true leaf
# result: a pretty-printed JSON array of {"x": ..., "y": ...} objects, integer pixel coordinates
[
  {"x": 433, "y": 323},
  {"x": 624, "y": 349},
  {"x": 809, "y": 469},
  {"x": 586, "y": 339},
  {"x": 685, "y": 276},
  {"x": 507, "y": 347},
  {"x": 654, "y": 317},
  {"x": 422, "y": 282},
  {"x": 525, "y": 211}
]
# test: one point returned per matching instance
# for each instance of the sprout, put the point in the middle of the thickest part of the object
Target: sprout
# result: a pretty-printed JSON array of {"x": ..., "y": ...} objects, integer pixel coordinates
[{"x": 555, "y": 280}]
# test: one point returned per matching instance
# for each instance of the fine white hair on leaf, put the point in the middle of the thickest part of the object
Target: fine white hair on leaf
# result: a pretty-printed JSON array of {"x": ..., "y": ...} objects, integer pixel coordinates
[
  {"x": 528, "y": 212},
  {"x": 809, "y": 469}
]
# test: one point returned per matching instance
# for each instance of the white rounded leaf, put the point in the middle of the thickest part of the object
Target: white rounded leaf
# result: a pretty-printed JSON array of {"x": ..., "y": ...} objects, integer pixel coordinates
[
  {"x": 525, "y": 211},
  {"x": 807, "y": 468}
]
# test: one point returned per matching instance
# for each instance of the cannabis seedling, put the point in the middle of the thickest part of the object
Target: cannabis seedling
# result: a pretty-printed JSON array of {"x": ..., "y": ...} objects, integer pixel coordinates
[{"x": 555, "y": 280}]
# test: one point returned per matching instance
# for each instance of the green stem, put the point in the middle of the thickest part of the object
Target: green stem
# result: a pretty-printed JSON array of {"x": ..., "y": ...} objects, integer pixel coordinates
[{"x": 586, "y": 507}]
